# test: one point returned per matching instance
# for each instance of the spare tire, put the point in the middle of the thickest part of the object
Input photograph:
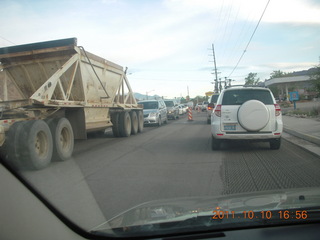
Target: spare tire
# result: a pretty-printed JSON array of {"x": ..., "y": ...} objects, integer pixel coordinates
[{"x": 253, "y": 115}]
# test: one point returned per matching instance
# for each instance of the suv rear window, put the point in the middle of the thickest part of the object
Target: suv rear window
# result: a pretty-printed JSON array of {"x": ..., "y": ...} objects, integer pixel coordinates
[
  {"x": 169, "y": 103},
  {"x": 214, "y": 98},
  {"x": 238, "y": 97}
]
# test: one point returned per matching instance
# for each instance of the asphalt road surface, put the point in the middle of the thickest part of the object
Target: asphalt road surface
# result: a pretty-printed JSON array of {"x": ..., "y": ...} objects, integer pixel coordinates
[{"x": 176, "y": 160}]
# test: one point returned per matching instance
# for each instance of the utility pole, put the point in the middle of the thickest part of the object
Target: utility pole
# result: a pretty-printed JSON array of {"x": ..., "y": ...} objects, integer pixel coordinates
[
  {"x": 216, "y": 90},
  {"x": 188, "y": 91}
]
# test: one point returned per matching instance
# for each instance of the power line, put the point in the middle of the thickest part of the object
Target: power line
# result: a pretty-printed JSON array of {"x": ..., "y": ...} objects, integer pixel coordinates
[
  {"x": 250, "y": 38},
  {"x": 7, "y": 40}
]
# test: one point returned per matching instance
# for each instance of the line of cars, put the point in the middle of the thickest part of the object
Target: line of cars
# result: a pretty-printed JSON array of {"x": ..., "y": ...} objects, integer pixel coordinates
[{"x": 159, "y": 111}]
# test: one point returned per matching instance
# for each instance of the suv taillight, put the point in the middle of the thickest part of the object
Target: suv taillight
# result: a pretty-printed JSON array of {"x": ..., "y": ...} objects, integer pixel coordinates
[
  {"x": 278, "y": 109},
  {"x": 217, "y": 110}
]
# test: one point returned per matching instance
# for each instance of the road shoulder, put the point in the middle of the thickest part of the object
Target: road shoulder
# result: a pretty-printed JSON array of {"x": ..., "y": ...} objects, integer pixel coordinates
[{"x": 309, "y": 146}]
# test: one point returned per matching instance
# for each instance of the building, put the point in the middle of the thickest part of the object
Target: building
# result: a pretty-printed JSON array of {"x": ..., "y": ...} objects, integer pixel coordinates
[{"x": 293, "y": 82}]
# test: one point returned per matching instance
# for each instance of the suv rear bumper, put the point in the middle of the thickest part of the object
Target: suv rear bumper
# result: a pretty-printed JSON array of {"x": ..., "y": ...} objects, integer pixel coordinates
[
  {"x": 262, "y": 135},
  {"x": 246, "y": 136}
]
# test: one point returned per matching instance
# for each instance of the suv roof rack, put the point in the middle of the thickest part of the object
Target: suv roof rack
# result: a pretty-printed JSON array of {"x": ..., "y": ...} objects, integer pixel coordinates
[{"x": 261, "y": 85}]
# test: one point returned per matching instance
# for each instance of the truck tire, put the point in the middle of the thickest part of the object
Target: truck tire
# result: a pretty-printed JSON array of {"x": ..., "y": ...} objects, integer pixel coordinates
[
  {"x": 36, "y": 144},
  {"x": 115, "y": 124},
  {"x": 141, "y": 121},
  {"x": 134, "y": 122},
  {"x": 63, "y": 139},
  {"x": 125, "y": 124},
  {"x": 12, "y": 145}
]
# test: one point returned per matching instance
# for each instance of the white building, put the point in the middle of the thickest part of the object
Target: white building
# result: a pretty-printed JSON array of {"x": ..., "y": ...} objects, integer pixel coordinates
[{"x": 296, "y": 81}]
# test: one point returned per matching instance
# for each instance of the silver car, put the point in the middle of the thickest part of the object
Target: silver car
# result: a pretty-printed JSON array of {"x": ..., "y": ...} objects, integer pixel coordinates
[
  {"x": 154, "y": 112},
  {"x": 172, "y": 109}
]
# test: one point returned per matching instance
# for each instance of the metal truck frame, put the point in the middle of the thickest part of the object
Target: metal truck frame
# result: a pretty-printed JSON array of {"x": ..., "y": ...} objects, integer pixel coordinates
[{"x": 54, "y": 92}]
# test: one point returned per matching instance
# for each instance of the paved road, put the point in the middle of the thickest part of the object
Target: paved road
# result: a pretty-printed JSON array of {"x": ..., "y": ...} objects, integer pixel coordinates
[{"x": 176, "y": 160}]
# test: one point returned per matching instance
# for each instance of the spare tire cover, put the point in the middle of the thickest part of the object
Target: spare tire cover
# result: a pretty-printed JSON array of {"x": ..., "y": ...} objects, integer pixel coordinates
[{"x": 253, "y": 115}]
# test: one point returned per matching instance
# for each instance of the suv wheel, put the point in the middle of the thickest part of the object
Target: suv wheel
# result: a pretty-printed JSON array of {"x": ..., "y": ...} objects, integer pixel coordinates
[
  {"x": 215, "y": 143},
  {"x": 159, "y": 121},
  {"x": 275, "y": 143}
]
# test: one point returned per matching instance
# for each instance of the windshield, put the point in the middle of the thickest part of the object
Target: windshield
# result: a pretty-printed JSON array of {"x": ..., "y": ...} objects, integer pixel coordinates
[
  {"x": 149, "y": 105},
  {"x": 78, "y": 80}
]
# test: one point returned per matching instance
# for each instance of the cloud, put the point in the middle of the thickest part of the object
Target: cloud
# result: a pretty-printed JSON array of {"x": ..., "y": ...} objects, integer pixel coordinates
[{"x": 288, "y": 11}]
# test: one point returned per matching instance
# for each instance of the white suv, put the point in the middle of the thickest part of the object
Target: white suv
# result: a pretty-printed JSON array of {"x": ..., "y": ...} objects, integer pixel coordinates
[{"x": 246, "y": 113}]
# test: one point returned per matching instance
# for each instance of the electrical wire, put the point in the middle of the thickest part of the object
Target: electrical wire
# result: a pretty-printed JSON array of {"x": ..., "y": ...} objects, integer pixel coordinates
[
  {"x": 7, "y": 40},
  {"x": 250, "y": 39}
]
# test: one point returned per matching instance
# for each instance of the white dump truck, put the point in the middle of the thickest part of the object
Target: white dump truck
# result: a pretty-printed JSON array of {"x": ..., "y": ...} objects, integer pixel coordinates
[{"x": 55, "y": 92}]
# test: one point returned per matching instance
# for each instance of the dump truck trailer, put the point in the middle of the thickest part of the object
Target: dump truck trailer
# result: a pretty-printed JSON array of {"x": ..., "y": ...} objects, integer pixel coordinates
[{"x": 55, "y": 92}]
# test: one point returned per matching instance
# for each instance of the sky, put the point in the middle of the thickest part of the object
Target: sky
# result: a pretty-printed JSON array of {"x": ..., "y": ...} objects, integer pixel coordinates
[{"x": 167, "y": 44}]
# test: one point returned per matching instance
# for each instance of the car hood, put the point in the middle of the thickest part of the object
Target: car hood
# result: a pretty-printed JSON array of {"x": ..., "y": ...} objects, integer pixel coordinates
[{"x": 181, "y": 209}]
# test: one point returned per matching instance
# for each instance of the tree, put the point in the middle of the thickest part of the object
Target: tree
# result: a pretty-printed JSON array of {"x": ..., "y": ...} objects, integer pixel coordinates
[
  {"x": 315, "y": 78},
  {"x": 274, "y": 90},
  {"x": 183, "y": 100},
  {"x": 277, "y": 73},
  {"x": 251, "y": 79}
]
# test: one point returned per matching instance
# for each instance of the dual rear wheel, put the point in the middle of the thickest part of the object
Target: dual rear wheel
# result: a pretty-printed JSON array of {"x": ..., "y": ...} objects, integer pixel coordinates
[
  {"x": 127, "y": 123},
  {"x": 33, "y": 144}
]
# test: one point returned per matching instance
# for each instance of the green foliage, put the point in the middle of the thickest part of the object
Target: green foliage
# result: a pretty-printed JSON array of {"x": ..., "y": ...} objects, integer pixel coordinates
[
  {"x": 251, "y": 79},
  {"x": 285, "y": 104},
  {"x": 183, "y": 100},
  {"x": 274, "y": 90},
  {"x": 315, "y": 77},
  {"x": 277, "y": 73}
]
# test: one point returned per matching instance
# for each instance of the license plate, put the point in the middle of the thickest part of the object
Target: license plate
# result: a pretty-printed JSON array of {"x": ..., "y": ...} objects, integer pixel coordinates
[{"x": 230, "y": 127}]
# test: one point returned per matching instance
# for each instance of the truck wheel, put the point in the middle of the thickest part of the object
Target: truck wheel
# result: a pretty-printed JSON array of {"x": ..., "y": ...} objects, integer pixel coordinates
[
  {"x": 125, "y": 124},
  {"x": 115, "y": 124},
  {"x": 134, "y": 122},
  {"x": 63, "y": 140},
  {"x": 12, "y": 146},
  {"x": 141, "y": 121},
  {"x": 36, "y": 144}
]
